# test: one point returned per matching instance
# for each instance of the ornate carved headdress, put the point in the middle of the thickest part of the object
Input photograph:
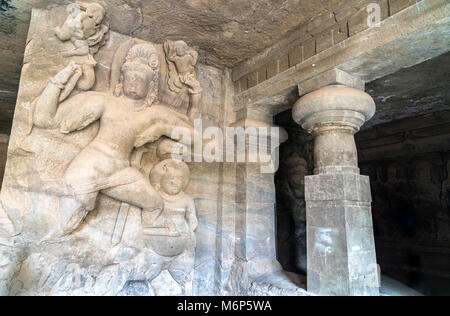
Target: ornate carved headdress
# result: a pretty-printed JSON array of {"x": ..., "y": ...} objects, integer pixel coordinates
[{"x": 140, "y": 57}]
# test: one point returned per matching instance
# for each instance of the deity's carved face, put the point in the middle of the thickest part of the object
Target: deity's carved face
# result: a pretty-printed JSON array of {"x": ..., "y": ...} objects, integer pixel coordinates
[
  {"x": 91, "y": 18},
  {"x": 135, "y": 84},
  {"x": 88, "y": 25},
  {"x": 298, "y": 169},
  {"x": 96, "y": 12},
  {"x": 140, "y": 74}
]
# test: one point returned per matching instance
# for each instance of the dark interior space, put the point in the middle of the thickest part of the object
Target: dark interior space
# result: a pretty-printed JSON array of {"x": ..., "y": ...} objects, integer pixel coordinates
[
  {"x": 408, "y": 162},
  {"x": 296, "y": 161},
  {"x": 405, "y": 149}
]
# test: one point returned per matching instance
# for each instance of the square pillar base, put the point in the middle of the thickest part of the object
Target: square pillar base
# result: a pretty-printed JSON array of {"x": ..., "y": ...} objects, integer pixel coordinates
[{"x": 340, "y": 240}]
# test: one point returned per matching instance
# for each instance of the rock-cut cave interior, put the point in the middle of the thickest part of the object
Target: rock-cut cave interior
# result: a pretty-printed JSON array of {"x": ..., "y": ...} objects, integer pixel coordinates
[{"x": 93, "y": 95}]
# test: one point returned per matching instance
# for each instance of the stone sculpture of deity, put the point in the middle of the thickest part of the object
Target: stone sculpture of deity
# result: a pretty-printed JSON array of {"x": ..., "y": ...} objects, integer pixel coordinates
[{"x": 129, "y": 118}]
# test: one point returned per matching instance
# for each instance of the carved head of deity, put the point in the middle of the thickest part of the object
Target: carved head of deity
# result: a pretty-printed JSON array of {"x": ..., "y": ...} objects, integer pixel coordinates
[
  {"x": 140, "y": 74},
  {"x": 170, "y": 177},
  {"x": 297, "y": 169}
]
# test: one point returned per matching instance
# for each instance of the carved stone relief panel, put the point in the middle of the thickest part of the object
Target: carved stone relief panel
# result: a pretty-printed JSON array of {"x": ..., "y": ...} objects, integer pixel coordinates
[{"x": 90, "y": 189}]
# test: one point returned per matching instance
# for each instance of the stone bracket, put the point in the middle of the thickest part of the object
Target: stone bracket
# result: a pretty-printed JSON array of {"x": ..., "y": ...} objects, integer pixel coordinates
[{"x": 331, "y": 77}]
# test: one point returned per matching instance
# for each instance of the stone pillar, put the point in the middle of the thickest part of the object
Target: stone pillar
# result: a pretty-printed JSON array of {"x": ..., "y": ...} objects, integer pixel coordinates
[
  {"x": 340, "y": 241},
  {"x": 255, "y": 231}
]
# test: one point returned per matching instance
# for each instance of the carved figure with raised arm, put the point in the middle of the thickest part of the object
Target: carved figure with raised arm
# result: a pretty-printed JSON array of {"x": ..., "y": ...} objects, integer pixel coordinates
[{"x": 182, "y": 78}]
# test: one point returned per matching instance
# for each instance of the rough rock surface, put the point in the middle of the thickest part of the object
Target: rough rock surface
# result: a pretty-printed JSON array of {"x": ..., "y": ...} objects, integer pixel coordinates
[
  {"x": 35, "y": 260},
  {"x": 412, "y": 91},
  {"x": 408, "y": 162},
  {"x": 3, "y": 152},
  {"x": 229, "y": 32}
]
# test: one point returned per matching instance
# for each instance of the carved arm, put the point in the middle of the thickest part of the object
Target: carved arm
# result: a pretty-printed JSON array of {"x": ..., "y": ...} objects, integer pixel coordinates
[
  {"x": 80, "y": 111},
  {"x": 47, "y": 103},
  {"x": 163, "y": 121}
]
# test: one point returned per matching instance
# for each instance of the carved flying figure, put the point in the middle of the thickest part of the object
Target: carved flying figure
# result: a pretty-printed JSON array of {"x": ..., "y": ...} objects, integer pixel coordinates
[
  {"x": 128, "y": 119},
  {"x": 87, "y": 28},
  {"x": 182, "y": 78}
]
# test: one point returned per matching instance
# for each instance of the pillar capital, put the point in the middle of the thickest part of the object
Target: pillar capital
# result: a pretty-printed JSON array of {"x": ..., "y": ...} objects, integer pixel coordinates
[
  {"x": 335, "y": 105},
  {"x": 333, "y": 114}
]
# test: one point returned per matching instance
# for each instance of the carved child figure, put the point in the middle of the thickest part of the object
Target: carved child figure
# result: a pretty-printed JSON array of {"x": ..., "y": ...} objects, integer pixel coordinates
[
  {"x": 87, "y": 28},
  {"x": 171, "y": 232},
  {"x": 173, "y": 229}
]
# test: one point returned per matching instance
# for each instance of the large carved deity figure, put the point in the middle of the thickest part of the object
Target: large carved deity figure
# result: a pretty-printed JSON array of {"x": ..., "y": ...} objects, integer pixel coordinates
[{"x": 129, "y": 119}]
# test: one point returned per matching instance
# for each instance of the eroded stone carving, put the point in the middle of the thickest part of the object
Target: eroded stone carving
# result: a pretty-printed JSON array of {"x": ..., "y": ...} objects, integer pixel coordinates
[
  {"x": 87, "y": 28},
  {"x": 182, "y": 78},
  {"x": 171, "y": 231},
  {"x": 85, "y": 217},
  {"x": 129, "y": 119}
]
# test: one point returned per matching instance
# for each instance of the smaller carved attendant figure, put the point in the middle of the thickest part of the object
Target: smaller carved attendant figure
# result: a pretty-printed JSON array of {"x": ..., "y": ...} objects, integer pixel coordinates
[
  {"x": 87, "y": 28},
  {"x": 181, "y": 60},
  {"x": 172, "y": 230}
]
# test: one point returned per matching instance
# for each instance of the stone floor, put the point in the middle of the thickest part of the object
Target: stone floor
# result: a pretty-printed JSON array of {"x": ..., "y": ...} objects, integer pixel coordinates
[
  {"x": 391, "y": 287},
  {"x": 290, "y": 284}
]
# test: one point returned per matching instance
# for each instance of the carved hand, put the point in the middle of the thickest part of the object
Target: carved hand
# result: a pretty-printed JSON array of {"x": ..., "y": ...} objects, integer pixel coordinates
[{"x": 64, "y": 75}]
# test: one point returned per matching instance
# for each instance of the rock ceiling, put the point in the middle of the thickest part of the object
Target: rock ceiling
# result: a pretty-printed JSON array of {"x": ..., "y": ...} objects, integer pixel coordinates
[
  {"x": 409, "y": 92},
  {"x": 227, "y": 31}
]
